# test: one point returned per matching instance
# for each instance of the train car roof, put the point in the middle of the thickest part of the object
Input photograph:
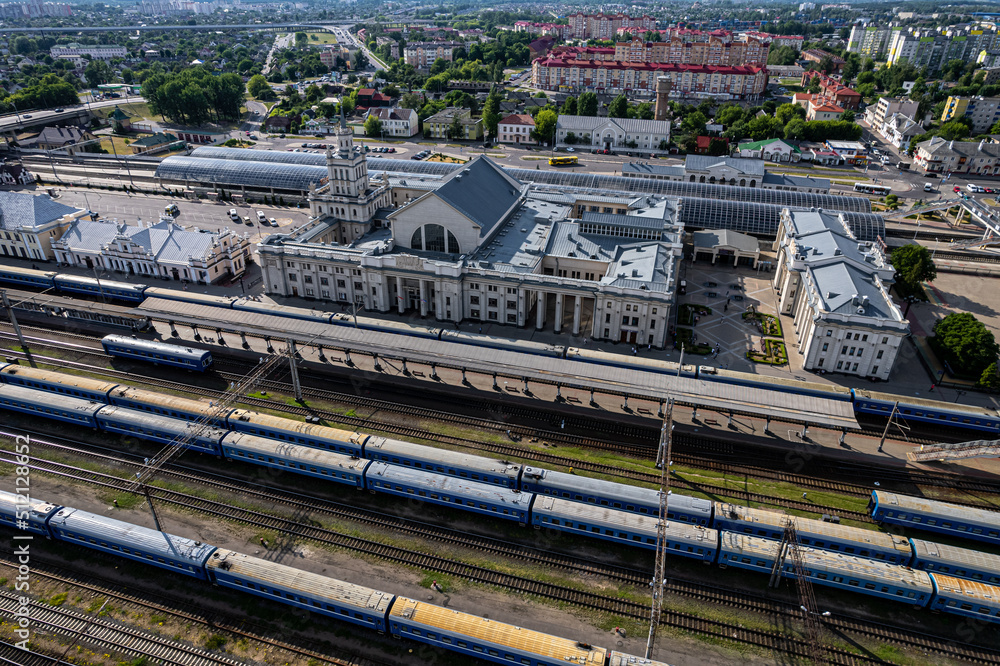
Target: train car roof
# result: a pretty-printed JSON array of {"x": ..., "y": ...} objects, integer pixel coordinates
[
  {"x": 19, "y": 270},
  {"x": 164, "y": 400},
  {"x": 110, "y": 284},
  {"x": 816, "y": 559},
  {"x": 818, "y": 528},
  {"x": 140, "y": 418},
  {"x": 247, "y": 305},
  {"x": 155, "y": 346},
  {"x": 72, "y": 381},
  {"x": 9, "y": 502},
  {"x": 442, "y": 456},
  {"x": 624, "y": 520},
  {"x": 190, "y": 297},
  {"x": 617, "y": 658},
  {"x": 132, "y": 536},
  {"x": 314, "y": 586},
  {"x": 836, "y": 392},
  {"x": 716, "y": 395},
  {"x": 404, "y": 327},
  {"x": 970, "y": 590},
  {"x": 909, "y": 401},
  {"x": 955, "y": 556},
  {"x": 499, "y": 341},
  {"x": 291, "y": 425},
  {"x": 594, "y": 355},
  {"x": 625, "y": 493},
  {"x": 263, "y": 445},
  {"x": 49, "y": 399},
  {"x": 487, "y": 492},
  {"x": 929, "y": 507},
  {"x": 453, "y": 622}
]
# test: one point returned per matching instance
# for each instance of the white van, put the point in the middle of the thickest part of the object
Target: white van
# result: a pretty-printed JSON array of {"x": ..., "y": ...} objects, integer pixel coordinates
[{"x": 261, "y": 217}]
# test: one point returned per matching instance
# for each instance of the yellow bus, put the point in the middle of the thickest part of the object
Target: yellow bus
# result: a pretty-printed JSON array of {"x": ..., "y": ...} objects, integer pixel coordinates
[{"x": 564, "y": 161}]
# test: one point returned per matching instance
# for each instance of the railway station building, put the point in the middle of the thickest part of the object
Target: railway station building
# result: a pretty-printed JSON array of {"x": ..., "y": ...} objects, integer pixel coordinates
[
  {"x": 836, "y": 291},
  {"x": 481, "y": 245},
  {"x": 30, "y": 223}
]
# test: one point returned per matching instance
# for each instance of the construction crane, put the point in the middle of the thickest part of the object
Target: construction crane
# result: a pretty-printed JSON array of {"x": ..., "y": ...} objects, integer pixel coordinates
[
  {"x": 195, "y": 430},
  {"x": 659, "y": 571}
]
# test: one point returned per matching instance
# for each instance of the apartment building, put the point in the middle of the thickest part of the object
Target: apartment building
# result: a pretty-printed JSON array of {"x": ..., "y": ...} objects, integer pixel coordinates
[
  {"x": 421, "y": 55},
  {"x": 96, "y": 52},
  {"x": 984, "y": 112},
  {"x": 870, "y": 41},
  {"x": 697, "y": 47},
  {"x": 979, "y": 158},
  {"x": 935, "y": 47},
  {"x": 605, "y": 26}
]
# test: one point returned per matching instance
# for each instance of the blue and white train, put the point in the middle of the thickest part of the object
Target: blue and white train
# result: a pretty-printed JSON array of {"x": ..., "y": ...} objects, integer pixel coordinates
[
  {"x": 157, "y": 353},
  {"x": 567, "y": 502},
  {"x": 875, "y": 403}
]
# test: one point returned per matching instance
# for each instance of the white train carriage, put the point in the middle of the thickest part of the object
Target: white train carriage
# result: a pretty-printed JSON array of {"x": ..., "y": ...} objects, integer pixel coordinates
[
  {"x": 56, "y": 382},
  {"x": 162, "y": 429},
  {"x": 225, "y": 302},
  {"x": 622, "y": 527},
  {"x": 814, "y": 533},
  {"x": 958, "y": 562},
  {"x": 333, "y": 598},
  {"x": 614, "y": 495},
  {"x": 157, "y": 353},
  {"x": 79, "y": 284},
  {"x": 297, "y": 432},
  {"x": 476, "y": 497},
  {"x": 626, "y": 361},
  {"x": 846, "y": 572},
  {"x": 165, "y": 404},
  {"x": 283, "y": 456},
  {"x": 79, "y": 411},
  {"x": 924, "y": 514},
  {"x": 969, "y": 598},
  {"x": 25, "y": 514},
  {"x": 486, "y": 639},
  {"x": 442, "y": 461},
  {"x": 133, "y": 542}
]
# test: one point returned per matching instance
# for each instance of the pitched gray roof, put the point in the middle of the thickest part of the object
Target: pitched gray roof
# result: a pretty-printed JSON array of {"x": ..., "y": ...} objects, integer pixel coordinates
[
  {"x": 164, "y": 241},
  {"x": 796, "y": 181},
  {"x": 725, "y": 238},
  {"x": 628, "y": 125},
  {"x": 644, "y": 168},
  {"x": 18, "y": 209},
  {"x": 748, "y": 166},
  {"x": 482, "y": 192}
]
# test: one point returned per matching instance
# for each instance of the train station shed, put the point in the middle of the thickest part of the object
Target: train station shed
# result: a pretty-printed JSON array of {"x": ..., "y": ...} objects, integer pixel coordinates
[{"x": 726, "y": 243}]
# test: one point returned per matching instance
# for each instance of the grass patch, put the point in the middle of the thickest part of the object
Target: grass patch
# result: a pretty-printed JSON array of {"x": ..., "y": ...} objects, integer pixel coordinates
[
  {"x": 774, "y": 353},
  {"x": 322, "y": 38},
  {"x": 688, "y": 312},
  {"x": 767, "y": 324},
  {"x": 260, "y": 395},
  {"x": 215, "y": 642},
  {"x": 684, "y": 336},
  {"x": 58, "y": 599}
]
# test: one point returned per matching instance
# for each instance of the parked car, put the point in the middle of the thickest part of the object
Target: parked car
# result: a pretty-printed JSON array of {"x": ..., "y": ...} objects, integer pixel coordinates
[
  {"x": 234, "y": 215},
  {"x": 273, "y": 222},
  {"x": 930, "y": 175},
  {"x": 928, "y": 187},
  {"x": 171, "y": 209},
  {"x": 956, "y": 189},
  {"x": 247, "y": 221},
  {"x": 261, "y": 217}
]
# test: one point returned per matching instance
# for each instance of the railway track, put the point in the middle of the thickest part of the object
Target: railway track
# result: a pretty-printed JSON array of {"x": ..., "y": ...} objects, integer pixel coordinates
[
  {"x": 505, "y": 451},
  {"x": 112, "y": 636},
  {"x": 773, "y": 640},
  {"x": 178, "y": 609}
]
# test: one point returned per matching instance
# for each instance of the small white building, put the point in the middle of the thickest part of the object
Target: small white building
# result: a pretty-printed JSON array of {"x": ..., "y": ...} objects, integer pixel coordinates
[
  {"x": 614, "y": 133},
  {"x": 774, "y": 150},
  {"x": 516, "y": 128},
  {"x": 899, "y": 130},
  {"x": 163, "y": 250},
  {"x": 836, "y": 290},
  {"x": 396, "y": 121}
]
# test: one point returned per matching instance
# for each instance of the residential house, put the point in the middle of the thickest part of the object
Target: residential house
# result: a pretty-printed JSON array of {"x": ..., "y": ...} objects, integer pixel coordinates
[
  {"x": 369, "y": 97},
  {"x": 516, "y": 128},
  {"x": 62, "y": 138},
  {"x": 156, "y": 143},
  {"x": 397, "y": 121},
  {"x": 936, "y": 155},
  {"x": 900, "y": 129},
  {"x": 818, "y": 55},
  {"x": 835, "y": 90},
  {"x": 15, "y": 174},
  {"x": 440, "y": 124},
  {"x": 773, "y": 150}
]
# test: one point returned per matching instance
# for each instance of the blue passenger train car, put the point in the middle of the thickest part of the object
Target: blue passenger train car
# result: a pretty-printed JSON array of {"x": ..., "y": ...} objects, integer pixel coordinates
[
  {"x": 968, "y": 598},
  {"x": 472, "y": 496},
  {"x": 165, "y": 404},
  {"x": 158, "y": 353},
  {"x": 316, "y": 463},
  {"x": 958, "y": 562},
  {"x": 297, "y": 432},
  {"x": 78, "y": 411},
  {"x": 25, "y": 516},
  {"x": 121, "y": 291},
  {"x": 162, "y": 429},
  {"x": 56, "y": 382},
  {"x": 131, "y": 541},
  {"x": 27, "y": 277},
  {"x": 442, "y": 461},
  {"x": 933, "y": 516},
  {"x": 622, "y": 527}
]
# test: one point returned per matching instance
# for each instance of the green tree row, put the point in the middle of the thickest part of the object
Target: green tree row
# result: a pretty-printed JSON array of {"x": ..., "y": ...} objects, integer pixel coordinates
[{"x": 194, "y": 96}]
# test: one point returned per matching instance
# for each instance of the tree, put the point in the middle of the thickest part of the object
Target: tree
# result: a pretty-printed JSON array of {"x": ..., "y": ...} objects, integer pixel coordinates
[
  {"x": 455, "y": 129},
  {"x": 545, "y": 125},
  {"x": 694, "y": 123},
  {"x": 814, "y": 85},
  {"x": 618, "y": 107},
  {"x": 989, "y": 379},
  {"x": 587, "y": 104},
  {"x": 786, "y": 112},
  {"x": 259, "y": 87},
  {"x": 729, "y": 115},
  {"x": 913, "y": 265},
  {"x": 97, "y": 73},
  {"x": 491, "y": 114},
  {"x": 795, "y": 130},
  {"x": 411, "y": 101},
  {"x": 955, "y": 129},
  {"x": 392, "y": 91},
  {"x": 301, "y": 39},
  {"x": 644, "y": 111},
  {"x": 964, "y": 344},
  {"x": 373, "y": 126},
  {"x": 569, "y": 107},
  {"x": 718, "y": 147}
]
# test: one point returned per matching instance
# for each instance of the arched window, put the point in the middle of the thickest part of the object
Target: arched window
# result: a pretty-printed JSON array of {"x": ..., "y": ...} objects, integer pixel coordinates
[
  {"x": 434, "y": 238},
  {"x": 743, "y": 182}
]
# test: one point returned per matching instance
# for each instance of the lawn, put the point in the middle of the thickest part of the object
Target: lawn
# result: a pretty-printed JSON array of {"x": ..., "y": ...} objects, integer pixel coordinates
[
  {"x": 684, "y": 336},
  {"x": 769, "y": 324},
  {"x": 774, "y": 353},
  {"x": 139, "y": 111},
  {"x": 688, "y": 312},
  {"x": 322, "y": 38}
]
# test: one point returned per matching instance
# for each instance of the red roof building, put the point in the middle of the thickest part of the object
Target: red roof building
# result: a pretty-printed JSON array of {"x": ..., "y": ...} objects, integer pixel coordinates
[
  {"x": 835, "y": 90},
  {"x": 516, "y": 128}
]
